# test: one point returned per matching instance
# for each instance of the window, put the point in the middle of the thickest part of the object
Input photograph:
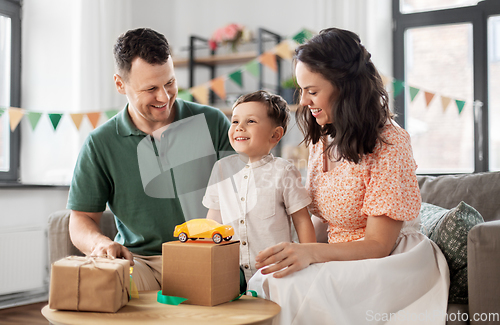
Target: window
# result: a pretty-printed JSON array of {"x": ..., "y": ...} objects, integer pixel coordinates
[
  {"x": 448, "y": 59},
  {"x": 10, "y": 56},
  {"x": 494, "y": 96},
  {"x": 408, "y": 6}
]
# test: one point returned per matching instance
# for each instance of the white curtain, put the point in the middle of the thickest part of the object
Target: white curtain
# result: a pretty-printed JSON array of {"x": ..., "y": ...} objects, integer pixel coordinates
[
  {"x": 67, "y": 67},
  {"x": 370, "y": 19}
]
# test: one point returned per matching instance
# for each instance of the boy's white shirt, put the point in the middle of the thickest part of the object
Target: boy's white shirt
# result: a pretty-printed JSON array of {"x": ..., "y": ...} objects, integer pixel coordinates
[{"x": 257, "y": 199}]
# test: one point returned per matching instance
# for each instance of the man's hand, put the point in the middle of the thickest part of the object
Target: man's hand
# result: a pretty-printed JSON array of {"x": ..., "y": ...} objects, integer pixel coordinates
[
  {"x": 87, "y": 237},
  {"x": 113, "y": 249}
]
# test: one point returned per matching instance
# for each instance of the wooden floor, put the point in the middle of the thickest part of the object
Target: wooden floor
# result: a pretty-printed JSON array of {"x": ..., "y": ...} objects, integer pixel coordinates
[{"x": 28, "y": 315}]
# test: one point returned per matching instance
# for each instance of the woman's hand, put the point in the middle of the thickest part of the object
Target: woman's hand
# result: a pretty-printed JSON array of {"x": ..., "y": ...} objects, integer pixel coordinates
[{"x": 284, "y": 259}]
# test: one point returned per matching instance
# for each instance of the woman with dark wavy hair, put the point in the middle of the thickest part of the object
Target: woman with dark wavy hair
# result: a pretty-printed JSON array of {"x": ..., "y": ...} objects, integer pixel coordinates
[{"x": 376, "y": 266}]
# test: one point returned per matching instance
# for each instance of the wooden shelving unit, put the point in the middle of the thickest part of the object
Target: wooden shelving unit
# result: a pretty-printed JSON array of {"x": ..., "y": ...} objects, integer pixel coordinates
[{"x": 214, "y": 60}]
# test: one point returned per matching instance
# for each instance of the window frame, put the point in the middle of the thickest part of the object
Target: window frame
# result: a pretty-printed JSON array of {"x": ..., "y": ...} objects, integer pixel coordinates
[
  {"x": 12, "y": 9},
  {"x": 478, "y": 16}
]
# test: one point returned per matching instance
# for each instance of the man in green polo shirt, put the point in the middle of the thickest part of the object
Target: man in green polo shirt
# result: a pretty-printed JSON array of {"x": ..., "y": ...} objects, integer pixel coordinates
[{"x": 150, "y": 163}]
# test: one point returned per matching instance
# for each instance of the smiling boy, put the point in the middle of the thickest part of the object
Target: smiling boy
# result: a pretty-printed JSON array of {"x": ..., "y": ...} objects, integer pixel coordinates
[{"x": 253, "y": 191}]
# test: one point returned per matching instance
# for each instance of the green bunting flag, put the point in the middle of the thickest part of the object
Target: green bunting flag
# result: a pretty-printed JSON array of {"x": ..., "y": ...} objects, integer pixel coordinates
[
  {"x": 54, "y": 119},
  {"x": 413, "y": 92},
  {"x": 302, "y": 36},
  {"x": 112, "y": 112},
  {"x": 1, "y": 111},
  {"x": 398, "y": 87},
  {"x": 185, "y": 95},
  {"x": 236, "y": 77},
  {"x": 460, "y": 105},
  {"x": 253, "y": 68},
  {"x": 34, "y": 117}
]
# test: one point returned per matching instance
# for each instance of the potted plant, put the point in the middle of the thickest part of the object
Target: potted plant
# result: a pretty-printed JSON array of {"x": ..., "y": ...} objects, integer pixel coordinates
[{"x": 290, "y": 91}]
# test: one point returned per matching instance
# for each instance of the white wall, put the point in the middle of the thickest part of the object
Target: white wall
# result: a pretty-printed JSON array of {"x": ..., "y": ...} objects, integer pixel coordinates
[{"x": 371, "y": 19}]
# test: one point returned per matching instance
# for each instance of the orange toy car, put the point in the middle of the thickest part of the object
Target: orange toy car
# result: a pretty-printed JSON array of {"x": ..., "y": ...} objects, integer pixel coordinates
[{"x": 203, "y": 228}]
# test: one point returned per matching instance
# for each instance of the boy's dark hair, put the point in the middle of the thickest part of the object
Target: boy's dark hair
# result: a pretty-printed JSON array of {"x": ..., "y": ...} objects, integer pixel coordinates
[
  {"x": 277, "y": 107},
  {"x": 145, "y": 43}
]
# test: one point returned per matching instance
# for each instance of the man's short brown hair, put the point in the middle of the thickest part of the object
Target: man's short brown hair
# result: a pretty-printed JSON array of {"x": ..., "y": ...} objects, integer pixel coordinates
[{"x": 144, "y": 43}]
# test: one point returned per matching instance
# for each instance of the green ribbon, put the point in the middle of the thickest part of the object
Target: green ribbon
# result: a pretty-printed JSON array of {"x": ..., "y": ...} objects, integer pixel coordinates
[
  {"x": 253, "y": 293},
  {"x": 172, "y": 300},
  {"x": 169, "y": 300}
]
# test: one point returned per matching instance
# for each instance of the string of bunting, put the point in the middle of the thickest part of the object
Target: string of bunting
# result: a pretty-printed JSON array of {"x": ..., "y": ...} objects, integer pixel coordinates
[
  {"x": 398, "y": 86},
  {"x": 284, "y": 50},
  {"x": 16, "y": 114}
]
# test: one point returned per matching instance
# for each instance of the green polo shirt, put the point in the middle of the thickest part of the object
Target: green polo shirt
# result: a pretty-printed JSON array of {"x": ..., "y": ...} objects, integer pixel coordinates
[{"x": 150, "y": 186}]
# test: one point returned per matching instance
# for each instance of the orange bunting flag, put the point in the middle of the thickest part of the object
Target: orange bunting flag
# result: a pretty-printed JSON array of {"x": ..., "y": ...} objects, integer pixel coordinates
[
  {"x": 77, "y": 119},
  {"x": 269, "y": 59},
  {"x": 445, "y": 101},
  {"x": 200, "y": 93},
  {"x": 385, "y": 80},
  {"x": 15, "y": 115},
  {"x": 283, "y": 50},
  {"x": 94, "y": 118},
  {"x": 218, "y": 87},
  {"x": 428, "y": 97}
]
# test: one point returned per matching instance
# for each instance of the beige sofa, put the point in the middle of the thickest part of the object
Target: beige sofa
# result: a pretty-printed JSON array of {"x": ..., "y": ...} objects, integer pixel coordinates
[{"x": 480, "y": 191}]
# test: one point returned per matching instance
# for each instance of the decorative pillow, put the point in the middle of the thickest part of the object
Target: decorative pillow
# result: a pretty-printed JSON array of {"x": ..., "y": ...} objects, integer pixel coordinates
[{"x": 449, "y": 229}]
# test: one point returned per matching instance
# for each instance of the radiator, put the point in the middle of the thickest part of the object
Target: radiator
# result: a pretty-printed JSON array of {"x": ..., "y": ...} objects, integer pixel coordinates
[{"x": 22, "y": 260}]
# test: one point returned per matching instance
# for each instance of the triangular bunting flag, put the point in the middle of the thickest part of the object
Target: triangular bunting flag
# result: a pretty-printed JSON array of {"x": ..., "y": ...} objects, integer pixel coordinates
[
  {"x": 385, "y": 80},
  {"x": 34, "y": 117},
  {"x": 218, "y": 87},
  {"x": 55, "y": 119},
  {"x": 269, "y": 59},
  {"x": 413, "y": 92},
  {"x": 200, "y": 93},
  {"x": 236, "y": 77},
  {"x": 94, "y": 118},
  {"x": 77, "y": 119},
  {"x": 1, "y": 111},
  {"x": 428, "y": 97},
  {"x": 185, "y": 95},
  {"x": 445, "y": 101},
  {"x": 302, "y": 36},
  {"x": 460, "y": 105},
  {"x": 112, "y": 112},
  {"x": 15, "y": 115},
  {"x": 253, "y": 68},
  {"x": 283, "y": 50},
  {"x": 398, "y": 87}
]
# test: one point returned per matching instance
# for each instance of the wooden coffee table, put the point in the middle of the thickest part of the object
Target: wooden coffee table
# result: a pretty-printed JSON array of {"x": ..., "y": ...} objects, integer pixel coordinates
[{"x": 146, "y": 310}]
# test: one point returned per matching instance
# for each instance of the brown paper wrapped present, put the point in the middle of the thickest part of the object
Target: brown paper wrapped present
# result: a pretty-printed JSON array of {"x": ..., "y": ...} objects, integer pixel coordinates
[{"x": 89, "y": 284}]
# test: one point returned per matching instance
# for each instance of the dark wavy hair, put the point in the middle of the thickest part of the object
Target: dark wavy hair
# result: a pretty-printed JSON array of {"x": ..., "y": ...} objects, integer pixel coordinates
[
  {"x": 277, "y": 107},
  {"x": 145, "y": 43},
  {"x": 361, "y": 109}
]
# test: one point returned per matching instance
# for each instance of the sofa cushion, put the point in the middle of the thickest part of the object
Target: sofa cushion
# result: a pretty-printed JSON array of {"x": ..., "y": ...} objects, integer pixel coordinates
[
  {"x": 475, "y": 189},
  {"x": 449, "y": 229}
]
